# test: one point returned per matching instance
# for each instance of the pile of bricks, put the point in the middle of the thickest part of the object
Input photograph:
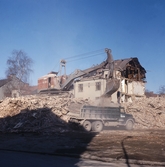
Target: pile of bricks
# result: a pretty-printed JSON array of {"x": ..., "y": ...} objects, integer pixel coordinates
[
  {"x": 51, "y": 113},
  {"x": 149, "y": 113},
  {"x": 36, "y": 113}
]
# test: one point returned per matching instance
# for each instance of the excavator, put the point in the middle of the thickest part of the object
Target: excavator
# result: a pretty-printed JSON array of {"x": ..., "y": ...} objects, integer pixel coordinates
[{"x": 63, "y": 83}]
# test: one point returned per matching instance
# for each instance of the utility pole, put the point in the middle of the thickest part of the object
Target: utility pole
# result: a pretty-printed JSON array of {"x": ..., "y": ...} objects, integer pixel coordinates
[{"x": 63, "y": 66}]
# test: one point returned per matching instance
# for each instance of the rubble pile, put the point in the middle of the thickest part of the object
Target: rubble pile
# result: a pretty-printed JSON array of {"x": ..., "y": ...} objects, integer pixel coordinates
[
  {"x": 36, "y": 113},
  {"x": 149, "y": 113},
  {"x": 51, "y": 113}
]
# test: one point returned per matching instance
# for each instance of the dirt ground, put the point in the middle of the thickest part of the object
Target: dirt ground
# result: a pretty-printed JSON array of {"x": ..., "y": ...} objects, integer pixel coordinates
[{"x": 109, "y": 145}]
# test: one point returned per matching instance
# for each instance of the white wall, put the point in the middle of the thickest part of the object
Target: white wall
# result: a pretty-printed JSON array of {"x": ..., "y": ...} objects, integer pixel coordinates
[
  {"x": 127, "y": 89},
  {"x": 89, "y": 89}
]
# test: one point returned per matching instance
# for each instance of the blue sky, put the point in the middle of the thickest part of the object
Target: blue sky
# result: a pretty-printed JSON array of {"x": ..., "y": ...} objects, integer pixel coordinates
[{"x": 49, "y": 30}]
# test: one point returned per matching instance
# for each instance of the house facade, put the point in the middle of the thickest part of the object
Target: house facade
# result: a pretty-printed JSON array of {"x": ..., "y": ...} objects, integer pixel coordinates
[
  {"x": 89, "y": 88},
  {"x": 13, "y": 87},
  {"x": 129, "y": 73},
  {"x": 3, "y": 84}
]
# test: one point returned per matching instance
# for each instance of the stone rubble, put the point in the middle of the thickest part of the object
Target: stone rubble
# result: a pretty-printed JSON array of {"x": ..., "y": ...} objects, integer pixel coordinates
[
  {"x": 50, "y": 113},
  {"x": 149, "y": 113},
  {"x": 36, "y": 113}
]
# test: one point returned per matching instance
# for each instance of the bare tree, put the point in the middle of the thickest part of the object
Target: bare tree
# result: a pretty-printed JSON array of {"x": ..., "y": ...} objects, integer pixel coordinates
[
  {"x": 149, "y": 93},
  {"x": 161, "y": 90},
  {"x": 19, "y": 66}
]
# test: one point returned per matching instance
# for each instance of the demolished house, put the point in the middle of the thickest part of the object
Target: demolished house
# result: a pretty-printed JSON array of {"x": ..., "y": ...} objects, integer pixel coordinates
[
  {"x": 117, "y": 80},
  {"x": 129, "y": 72},
  {"x": 132, "y": 79}
]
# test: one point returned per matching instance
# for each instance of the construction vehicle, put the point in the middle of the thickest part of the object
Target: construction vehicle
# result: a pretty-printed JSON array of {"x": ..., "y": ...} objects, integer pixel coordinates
[
  {"x": 52, "y": 83},
  {"x": 95, "y": 118}
]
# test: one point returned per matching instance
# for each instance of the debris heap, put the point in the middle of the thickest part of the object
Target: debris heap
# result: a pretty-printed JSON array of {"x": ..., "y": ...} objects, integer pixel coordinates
[
  {"x": 149, "y": 113},
  {"x": 51, "y": 113},
  {"x": 36, "y": 113}
]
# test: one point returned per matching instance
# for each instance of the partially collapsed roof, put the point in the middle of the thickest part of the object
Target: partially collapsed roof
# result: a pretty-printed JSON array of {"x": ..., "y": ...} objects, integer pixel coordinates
[
  {"x": 130, "y": 68},
  {"x": 122, "y": 64}
]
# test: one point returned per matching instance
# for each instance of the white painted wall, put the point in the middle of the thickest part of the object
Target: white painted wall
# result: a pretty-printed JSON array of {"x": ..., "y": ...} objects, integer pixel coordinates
[
  {"x": 136, "y": 88},
  {"x": 127, "y": 89},
  {"x": 89, "y": 89}
]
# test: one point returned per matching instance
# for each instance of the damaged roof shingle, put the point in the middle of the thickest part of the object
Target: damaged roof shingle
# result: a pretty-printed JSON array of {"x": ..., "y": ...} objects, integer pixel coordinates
[{"x": 121, "y": 64}]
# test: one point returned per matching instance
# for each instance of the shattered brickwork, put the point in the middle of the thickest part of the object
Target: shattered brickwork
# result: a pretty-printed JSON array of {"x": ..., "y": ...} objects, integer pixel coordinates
[
  {"x": 51, "y": 113},
  {"x": 149, "y": 113},
  {"x": 36, "y": 113}
]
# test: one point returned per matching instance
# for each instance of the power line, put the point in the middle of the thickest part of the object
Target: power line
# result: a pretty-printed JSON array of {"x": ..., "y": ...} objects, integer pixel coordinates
[
  {"x": 81, "y": 56},
  {"x": 84, "y": 54},
  {"x": 85, "y": 57}
]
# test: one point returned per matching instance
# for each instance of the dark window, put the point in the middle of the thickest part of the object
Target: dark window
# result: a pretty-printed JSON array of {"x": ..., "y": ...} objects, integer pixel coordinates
[
  {"x": 14, "y": 95},
  {"x": 98, "y": 86},
  {"x": 49, "y": 82},
  {"x": 80, "y": 87}
]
